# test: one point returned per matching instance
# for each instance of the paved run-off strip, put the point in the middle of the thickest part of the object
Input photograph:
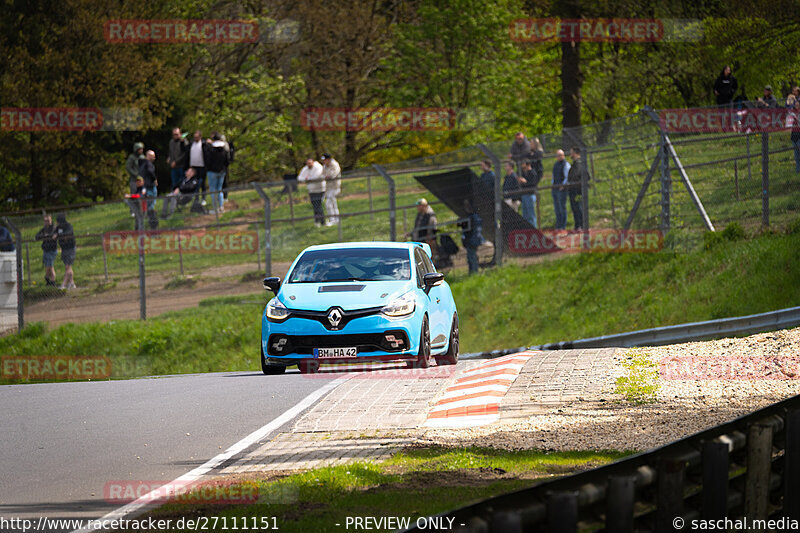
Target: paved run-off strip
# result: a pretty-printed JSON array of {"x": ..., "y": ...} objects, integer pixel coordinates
[{"x": 474, "y": 398}]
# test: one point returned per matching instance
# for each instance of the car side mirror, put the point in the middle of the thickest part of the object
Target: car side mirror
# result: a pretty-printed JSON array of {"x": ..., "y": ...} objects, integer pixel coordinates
[
  {"x": 272, "y": 284},
  {"x": 432, "y": 279}
]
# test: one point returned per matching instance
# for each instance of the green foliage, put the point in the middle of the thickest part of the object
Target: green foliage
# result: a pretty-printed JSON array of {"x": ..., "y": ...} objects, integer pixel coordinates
[
  {"x": 640, "y": 384},
  {"x": 734, "y": 232}
]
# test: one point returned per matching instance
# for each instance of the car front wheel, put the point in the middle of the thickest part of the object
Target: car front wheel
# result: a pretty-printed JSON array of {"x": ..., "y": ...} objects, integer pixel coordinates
[
  {"x": 451, "y": 356},
  {"x": 268, "y": 369},
  {"x": 424, "y": 357}
]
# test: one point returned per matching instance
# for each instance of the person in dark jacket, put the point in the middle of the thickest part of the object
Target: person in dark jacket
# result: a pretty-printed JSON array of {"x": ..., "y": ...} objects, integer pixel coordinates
[
  {"x": 216, "y": 166},
  {"x": 147, "y": 169},
  {"x": 471, "y": 235},
  {"x": 531, "y": 180},
  {"x": 577, "y": 173},
  {"x": 6, "y": 242},
  {"x": 66, "y": 240},
  {"x": 425, "y": 226},
  {"x": 725, "y": 86},
  {"x": 511, "y": 186},
  {"x": 176, "y": 156},
  {"x": 49, "y": 250},
  {"x": 132, "y": 164}
]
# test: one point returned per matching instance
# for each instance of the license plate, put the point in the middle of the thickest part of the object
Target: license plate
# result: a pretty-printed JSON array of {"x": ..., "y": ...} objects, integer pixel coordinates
[{"x": 332, "y": 353}]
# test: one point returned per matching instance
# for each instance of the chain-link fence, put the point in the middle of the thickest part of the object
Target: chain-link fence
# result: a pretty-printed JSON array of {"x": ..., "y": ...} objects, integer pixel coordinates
[{"x": 636, "y": 186}]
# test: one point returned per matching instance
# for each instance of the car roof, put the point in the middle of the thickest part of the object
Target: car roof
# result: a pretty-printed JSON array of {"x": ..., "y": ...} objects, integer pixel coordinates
[{"x": 363, "y": 244}]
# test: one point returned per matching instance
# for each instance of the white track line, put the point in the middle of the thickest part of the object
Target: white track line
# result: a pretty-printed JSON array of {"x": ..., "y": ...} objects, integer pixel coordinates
[{"x": 193, "y": 475}]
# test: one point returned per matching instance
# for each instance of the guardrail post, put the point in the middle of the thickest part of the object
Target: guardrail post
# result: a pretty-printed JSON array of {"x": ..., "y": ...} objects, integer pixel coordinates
[
  {"x": 715, "y": 479},
  {"x": 619, "y": 503},
  {"x": 669, "y": 499},
  {"x": 20, "y": 303},
  {"x": 765, "y": 179},
  {"x": 507, "y": 522},
  {"x": 267, "y": 233},
  {"x": 791, "y": 466},
  {"x": 562, "y": 512},
  {"x": 759, "y": 467},
  {"x": 392, "y": 202},
  {"x": 136, "y": 205},
  {"x": 498, "y": 204}
]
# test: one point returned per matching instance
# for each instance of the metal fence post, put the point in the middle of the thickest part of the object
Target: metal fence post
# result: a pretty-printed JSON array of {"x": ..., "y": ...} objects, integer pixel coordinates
[
  {"x": 105, "y": 264},
  {"x": 369, "y": 191},
  {"x": 392, "y": 202},
  {"x": 28, "y": 263},
  {"x": 585, "y": 195},
  {"x": 765, "y": 179},
  {"x": 20, "y": 303},
  {"x": 498, "y": 204},
  {"x": 267, "y": 234},
  {"x": 666, "y": 189},
  {"x": 137, "y": 211},
  {"x": 180, "y": 251}
]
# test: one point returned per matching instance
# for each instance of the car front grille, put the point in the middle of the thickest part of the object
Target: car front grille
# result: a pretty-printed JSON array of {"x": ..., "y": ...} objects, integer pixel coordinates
[{"x": 387, "y": 341}]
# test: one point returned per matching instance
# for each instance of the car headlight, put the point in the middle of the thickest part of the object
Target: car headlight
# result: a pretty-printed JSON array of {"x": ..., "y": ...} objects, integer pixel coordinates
[
  {"x": 276, "y": 310},
  {"x": 401, "y": 306}
]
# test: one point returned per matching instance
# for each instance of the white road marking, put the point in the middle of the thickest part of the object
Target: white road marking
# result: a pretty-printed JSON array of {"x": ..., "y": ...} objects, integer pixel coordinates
[{"x": 192, "y": 476}]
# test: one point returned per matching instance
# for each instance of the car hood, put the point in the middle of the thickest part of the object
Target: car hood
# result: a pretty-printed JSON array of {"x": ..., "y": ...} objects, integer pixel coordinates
[{"x": 349, "y": 295}]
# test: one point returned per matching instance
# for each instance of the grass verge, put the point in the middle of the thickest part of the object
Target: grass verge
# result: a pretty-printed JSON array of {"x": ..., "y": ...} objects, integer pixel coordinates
[{"x": 415, "y": 483}]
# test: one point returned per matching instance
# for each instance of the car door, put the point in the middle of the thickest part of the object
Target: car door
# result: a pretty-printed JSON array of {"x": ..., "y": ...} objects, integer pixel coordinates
[{"x": 436, "y": 315}]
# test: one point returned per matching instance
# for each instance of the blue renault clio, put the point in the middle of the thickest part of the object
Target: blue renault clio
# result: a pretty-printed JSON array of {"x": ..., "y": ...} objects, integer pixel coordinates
[{"x": 359, "y": 301}]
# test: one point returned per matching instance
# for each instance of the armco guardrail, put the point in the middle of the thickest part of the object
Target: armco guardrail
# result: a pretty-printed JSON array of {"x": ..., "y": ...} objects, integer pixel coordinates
[
  {"x": 693, "y": 331},
  {"x": 743, "y": 471}
]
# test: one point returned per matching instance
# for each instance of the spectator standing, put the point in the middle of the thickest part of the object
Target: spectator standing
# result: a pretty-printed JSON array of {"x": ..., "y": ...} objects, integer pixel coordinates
[
  {"x": 795, "y": 135},
  {"x": 768, "y": 100},
  {"x": 132, "y": 164},
  {"x": 6, "y": 242},
  {"x": 176, "y": 156},
  {"x": 520, "y": 149},
  {"x": 311, "y": 175},
  {"x": 725, "y": 86},
  {"x": 147, "y": 170},
  {"x": 198, "y": 153},
  {"x": 49, "y": 249},
  {"x": 332, "y": 173},
  {"x": 559, "y": 192},
  {"x": 471, "y": 236},
  {"x": 66, "y": 240},
  {"x": 530, "y": 180},
  {"x": 217, "y": 166},
  {"x": 486, "y": 183},
  {"x": 577, "y": 173},
  {"x": 511, "y": 186},
  {"x": 425, "y": 226}
]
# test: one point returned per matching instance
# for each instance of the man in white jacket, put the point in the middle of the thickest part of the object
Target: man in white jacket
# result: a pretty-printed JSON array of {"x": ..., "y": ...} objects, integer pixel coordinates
[
  {"x": 332, "y": 173},
  {"x": 311, "y": 175}
]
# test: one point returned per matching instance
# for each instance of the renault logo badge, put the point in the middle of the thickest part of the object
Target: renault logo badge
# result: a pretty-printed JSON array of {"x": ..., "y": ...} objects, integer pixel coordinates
[{"x": 335, "y": 317}]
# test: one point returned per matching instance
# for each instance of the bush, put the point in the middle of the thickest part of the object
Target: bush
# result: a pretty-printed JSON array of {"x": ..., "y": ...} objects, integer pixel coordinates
[{"x": 734, "y": 232}]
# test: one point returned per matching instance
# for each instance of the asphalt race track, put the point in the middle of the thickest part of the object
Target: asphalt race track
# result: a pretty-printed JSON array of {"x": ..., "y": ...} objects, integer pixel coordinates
[{"x": 63, "y": 442}]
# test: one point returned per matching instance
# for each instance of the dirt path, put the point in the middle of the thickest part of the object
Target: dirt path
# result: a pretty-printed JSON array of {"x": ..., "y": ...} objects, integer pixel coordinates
[{"x": 122, "y": 302}]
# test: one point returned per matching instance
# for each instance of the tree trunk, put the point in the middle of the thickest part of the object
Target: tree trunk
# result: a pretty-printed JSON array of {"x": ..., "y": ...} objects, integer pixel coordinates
[{"x": 571, "y": 93}]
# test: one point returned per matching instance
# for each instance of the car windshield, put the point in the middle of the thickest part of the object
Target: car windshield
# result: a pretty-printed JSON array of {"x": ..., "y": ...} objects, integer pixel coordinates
[{"x": 352, "y": 264}]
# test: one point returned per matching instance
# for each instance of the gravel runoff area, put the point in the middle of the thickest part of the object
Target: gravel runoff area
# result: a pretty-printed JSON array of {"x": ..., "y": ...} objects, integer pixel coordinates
[{"x": 758, "y": 370}]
